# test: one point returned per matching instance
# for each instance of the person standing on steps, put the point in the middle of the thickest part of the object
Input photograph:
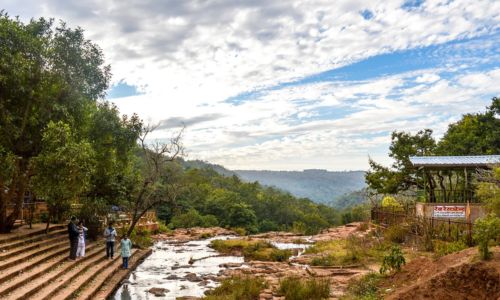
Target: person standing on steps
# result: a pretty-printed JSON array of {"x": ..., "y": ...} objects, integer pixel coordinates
[
  {"x": 110, "y": 234},
  {"x": 126, "y": 249},
  {"x": 80, "y": 252},
  {"x": 73, "y": 238}
]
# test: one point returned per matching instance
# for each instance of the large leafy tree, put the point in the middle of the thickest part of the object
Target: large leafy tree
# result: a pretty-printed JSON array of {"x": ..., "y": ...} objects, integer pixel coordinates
[
  {"x": 474, "y": 134},
  {"x": 62, "y": 170},
  {"x": 47, "y": 73},
  {"x": 401, "y": 176}
]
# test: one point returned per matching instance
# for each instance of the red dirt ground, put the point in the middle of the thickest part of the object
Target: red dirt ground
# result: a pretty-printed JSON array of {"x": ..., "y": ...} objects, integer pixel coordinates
[{"x": 456, "y": 276}]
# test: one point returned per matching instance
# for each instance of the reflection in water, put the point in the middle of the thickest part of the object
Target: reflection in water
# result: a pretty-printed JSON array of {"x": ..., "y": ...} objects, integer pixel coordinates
[{"x": 125, "y": 294}]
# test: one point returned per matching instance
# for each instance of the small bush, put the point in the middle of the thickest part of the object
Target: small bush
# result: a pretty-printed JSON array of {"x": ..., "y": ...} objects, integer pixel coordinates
[
  {"x": 238, "y": 288},
  {"x": 294, "y": 288},
  {"x": 251, "y": 249},
  {"x": 240, "y": 231},
  {"x": 206, "y": 235},
  {"x": 393, "y": 261},
  {"x": 363, "y": 226},
  {"x": 444, "y": 248},
  {"x": 366, "y": 288},
  {"x": 396, "y": 234},
  {"x": 141, "y": 238},
  {"x": 162, "y": 228},
  {"x": 485, "y": 230},
  {"x": 391, "y": 203}
]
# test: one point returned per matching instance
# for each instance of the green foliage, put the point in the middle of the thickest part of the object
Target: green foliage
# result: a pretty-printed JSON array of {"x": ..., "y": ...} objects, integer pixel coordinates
[
  {"x": 442, "y": 248},
  {"x": 396, "y": 234},
  {"x": 356, "y": 214},
  {"x": 62, "y": 168},
  {"x": 251, "y": 249},
  {"x": 474, "y": 134},
  {"x": 393, "y": 261},
  {"x": 391, "y": 203},
  {"x": 365, "y": 288},
  {"x": 192, "y": 218},
  {"x": 402, "y": 174},
  {"x": 238, "y": 288},
  {"x": 485, "y": 230},
  {"x": 140, "y": 237},
  {"x": 238, "y": 204},
  {"x": 488, "y": 190},
  {"x": 294, "y": 288}
]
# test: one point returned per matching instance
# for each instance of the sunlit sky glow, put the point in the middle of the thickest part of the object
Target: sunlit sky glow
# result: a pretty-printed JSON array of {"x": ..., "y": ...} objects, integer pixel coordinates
[{"x": 291, "y": 85}]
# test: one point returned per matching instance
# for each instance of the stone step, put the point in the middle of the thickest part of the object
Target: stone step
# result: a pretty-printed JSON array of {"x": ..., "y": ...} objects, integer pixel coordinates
[
  {"x": 16, "y": 236},
  {"x": 32, "y": 246},
  {"x": 104, "y": 288},
  {"x": 30, "y": 270},
  {"x": 12, "y": 261},
  {"x": 39, "y": 287},
  {"x": 31, "y": 240},
  {"x": 78, "y": 286}
]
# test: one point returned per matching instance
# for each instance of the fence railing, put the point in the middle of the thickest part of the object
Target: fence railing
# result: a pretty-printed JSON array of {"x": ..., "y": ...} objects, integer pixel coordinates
[{"x": 438, "y": 228}]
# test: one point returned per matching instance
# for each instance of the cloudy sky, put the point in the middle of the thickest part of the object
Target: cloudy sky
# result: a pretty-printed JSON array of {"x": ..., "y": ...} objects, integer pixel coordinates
[{"x": 291, "y": 85}]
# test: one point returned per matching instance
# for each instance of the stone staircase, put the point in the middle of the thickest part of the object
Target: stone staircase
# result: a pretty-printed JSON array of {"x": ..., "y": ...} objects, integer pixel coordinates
[{"x": 35, "y": 265}]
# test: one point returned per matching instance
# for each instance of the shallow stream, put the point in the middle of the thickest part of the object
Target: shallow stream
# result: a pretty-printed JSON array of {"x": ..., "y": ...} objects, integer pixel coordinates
[{"x": 168, "y": 267}]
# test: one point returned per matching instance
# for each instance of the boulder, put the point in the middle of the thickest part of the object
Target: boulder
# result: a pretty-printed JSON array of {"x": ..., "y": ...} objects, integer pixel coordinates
[{"x": 158, "y": 292}]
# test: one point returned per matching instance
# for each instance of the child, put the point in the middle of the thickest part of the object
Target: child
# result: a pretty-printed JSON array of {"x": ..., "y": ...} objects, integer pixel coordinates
[
  {"x": 126, "y": 249},
  {"x": 82, "y": 230}
]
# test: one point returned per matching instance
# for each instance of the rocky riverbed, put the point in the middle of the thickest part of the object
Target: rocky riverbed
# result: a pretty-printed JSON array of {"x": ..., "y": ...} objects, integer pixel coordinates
[{"x": 183, "y": 265}]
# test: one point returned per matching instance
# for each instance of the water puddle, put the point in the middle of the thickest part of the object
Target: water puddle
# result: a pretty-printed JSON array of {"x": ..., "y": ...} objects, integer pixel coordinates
[{"x": 168, "y": 268}]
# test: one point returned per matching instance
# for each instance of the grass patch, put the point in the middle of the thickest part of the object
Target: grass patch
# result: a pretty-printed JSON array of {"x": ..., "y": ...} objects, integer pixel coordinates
[
  {"x": 294, "y": 288},
  {"x": 442, "y": 248},
  {"x": 352, "y": 250},
  {"x": 365, "y": 288},
  {"x": 251, "y": 249},
  {"x": 396, "y": 234},
  {"x": 206, "y": 235},
  {"x": 237, "y": 288}
]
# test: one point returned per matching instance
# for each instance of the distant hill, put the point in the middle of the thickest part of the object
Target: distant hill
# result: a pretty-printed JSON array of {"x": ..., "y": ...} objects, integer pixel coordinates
[
  {"x": 318, "y": 185},
  {"x": 339, "y": 189}
]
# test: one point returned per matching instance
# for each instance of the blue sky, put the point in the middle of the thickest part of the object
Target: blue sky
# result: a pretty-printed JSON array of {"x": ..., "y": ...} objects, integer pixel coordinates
[{"x": 291, "y": 85}]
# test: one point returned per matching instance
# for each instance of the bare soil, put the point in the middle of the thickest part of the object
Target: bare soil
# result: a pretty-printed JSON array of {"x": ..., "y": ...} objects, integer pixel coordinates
[{"x": 456, "y": 276}]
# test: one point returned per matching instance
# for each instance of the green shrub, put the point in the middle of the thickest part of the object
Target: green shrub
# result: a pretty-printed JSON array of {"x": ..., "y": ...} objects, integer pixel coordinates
[
  {"x": 442, "y": 248},
  {"x": 391, "y": 203},
  {"x": 251, "y": 249},
  {"x": 366, "y": 288},
  {"x": 396, "y": 234},
  {"x": 485, "y": 230},
  {"x": 393, "y": 261},
  {"x": 162, "y": 228},
  {"x": 192, "y": 218},
  {"x": 206, "y": 235},
  {"x": 239, "y": 231},
  {"x": 237, "y": 288},
  {"x": 294, "y": 288},
  {"x": 140, "y": 237}
]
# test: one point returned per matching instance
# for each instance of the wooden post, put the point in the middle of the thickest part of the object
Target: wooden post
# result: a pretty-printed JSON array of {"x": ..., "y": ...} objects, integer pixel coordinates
[
  {"x": 466, "y": 185},
  {"x": 449, "y": 229}
]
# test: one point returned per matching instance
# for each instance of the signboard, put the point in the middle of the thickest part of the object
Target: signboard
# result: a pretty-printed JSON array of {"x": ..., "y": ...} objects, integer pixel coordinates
[{"x": 449, "y": 211}]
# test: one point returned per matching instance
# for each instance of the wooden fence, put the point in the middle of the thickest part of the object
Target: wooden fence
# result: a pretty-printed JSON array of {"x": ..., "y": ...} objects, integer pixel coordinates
[{"x": 442, "y": 229}]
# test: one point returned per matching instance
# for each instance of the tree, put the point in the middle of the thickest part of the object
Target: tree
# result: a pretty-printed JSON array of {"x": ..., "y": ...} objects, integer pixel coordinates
[
  {"x": 62, "y": 169},
  {"x": 474, "y": 134},
  {"x": 158, "y": 181},
  {"x": 47, "y": 73},
  {"x": 402, "y": 175},
  {"x": 488, "y": 189}
]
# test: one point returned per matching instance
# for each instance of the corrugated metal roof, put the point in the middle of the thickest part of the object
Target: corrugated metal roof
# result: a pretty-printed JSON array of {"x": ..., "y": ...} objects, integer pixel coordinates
[{"x": 454, "y": 161}]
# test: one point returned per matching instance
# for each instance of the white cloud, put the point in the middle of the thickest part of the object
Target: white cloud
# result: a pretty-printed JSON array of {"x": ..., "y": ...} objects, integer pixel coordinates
[{"x": 189, "y": 56}]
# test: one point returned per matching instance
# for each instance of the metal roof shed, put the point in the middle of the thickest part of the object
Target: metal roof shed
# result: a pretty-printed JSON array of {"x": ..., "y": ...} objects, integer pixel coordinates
[{"x": 476, "y": 161}]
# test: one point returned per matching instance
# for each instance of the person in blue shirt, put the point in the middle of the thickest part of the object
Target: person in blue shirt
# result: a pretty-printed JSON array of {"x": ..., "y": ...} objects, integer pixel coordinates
[
  {"x": 110, "y": 234},
  {"x": 73, "y": 238},
  {"x": 126, "y": 250}
]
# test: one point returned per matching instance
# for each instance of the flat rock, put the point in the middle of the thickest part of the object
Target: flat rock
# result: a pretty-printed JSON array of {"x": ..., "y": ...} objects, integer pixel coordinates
[{"x": 158, "y": 292}]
